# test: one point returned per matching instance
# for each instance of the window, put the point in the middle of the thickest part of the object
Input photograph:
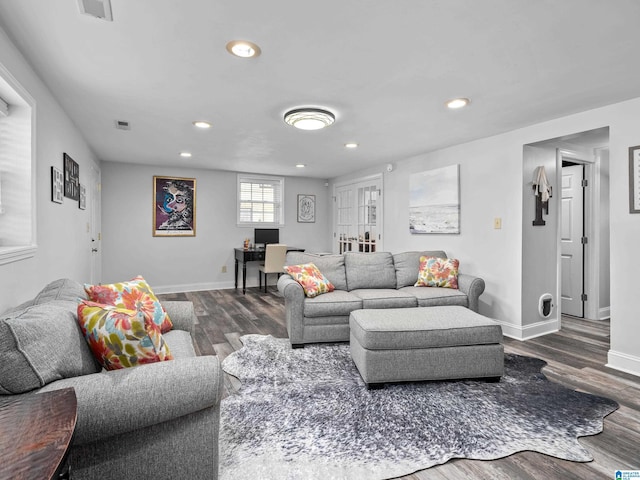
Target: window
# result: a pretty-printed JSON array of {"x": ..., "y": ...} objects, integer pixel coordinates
[
  {"x": 260, "y": 200},
  {"x": 17, "y": 172}
]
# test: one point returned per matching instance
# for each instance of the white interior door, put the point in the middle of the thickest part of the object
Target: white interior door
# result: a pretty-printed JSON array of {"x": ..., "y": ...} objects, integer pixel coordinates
[
  {"x": 571, "y": 241},
  {"x": 95, "y": 222}
]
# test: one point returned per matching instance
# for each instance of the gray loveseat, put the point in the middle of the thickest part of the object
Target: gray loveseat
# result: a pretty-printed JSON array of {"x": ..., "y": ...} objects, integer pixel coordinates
[
  {"x": 363, "y": 280},
  {"x": 155, "y": 421}
]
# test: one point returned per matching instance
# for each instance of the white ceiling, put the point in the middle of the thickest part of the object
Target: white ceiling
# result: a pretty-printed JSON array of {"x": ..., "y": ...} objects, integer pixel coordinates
[{"x": 384, "y": 67}]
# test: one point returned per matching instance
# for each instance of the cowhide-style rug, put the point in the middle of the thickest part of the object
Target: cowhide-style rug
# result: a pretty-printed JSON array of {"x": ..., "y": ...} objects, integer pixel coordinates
[{"x": 306, "y": 414}]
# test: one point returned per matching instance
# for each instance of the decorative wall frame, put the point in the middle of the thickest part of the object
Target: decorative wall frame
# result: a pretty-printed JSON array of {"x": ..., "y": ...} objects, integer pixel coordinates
[
  {"x": 71, "y": 178},
  {"x": 434, "y": 201},
  {"x": 634, "y": 179},
  {"x": 57, "y": 185},
  {"x": 306, "y": 208},
  {"x": 174, "y": 207},
  {"x": 82, "y": 202}
]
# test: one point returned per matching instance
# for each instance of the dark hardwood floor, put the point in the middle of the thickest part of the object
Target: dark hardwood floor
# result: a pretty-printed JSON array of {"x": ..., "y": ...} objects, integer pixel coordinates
[{"x": 576, "y": 357}]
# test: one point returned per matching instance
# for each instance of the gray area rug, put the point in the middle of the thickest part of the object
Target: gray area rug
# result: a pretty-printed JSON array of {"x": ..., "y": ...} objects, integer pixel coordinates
[{"x": 306, "y": 414}]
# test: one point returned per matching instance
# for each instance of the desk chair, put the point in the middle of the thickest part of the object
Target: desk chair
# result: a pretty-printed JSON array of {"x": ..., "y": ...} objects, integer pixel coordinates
[{"x": 274, "y": 257}]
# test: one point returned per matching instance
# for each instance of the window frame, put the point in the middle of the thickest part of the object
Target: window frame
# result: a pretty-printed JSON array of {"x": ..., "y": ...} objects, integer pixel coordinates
[{"x": 254, "y": 178}]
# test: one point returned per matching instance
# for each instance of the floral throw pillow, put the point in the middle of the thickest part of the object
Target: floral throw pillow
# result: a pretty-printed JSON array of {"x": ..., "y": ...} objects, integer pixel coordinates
[
  {"x": 135, "y": 294},
  {"x": 121, "y": 338},
  {"x": 438, "y": 272},
  {"x": 312, "y": 281}
]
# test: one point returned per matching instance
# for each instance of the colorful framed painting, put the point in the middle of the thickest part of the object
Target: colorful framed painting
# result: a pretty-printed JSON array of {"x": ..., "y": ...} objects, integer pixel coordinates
[
  {"x": 174, "y": 207},
  {"x": 434, "y": 201},
  {"x": 306, "y": 208},
  {"x": 71, "y": 178},
  {"x": 57, "y": 185}
]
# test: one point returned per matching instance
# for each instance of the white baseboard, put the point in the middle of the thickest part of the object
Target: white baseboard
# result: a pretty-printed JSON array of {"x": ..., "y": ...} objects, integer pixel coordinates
[
  {"x": 624, "y": 362},
  {"x": 198, "y": 287},
  {"x": 529, "y": 331},
  {"x": 604, "y": 313},
  {"x": 192, "y": 287}
]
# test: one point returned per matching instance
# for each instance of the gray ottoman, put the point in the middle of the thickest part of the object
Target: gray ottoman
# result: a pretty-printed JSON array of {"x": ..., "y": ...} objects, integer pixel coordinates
[{"x": 425, "y": 343}]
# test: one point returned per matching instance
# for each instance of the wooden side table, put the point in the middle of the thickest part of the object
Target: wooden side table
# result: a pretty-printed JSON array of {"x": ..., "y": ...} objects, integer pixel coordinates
[{"x": 35, "y": 434}]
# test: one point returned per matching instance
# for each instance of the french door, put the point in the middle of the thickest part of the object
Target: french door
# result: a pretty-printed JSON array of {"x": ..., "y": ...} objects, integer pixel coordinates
[{"x": 358, "y": 216}]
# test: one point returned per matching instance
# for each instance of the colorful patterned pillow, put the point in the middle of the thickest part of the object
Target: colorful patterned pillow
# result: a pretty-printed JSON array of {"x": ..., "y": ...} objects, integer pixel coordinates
[
  {"x": 438, "y": 272},
  {"x": 133, "y": 295},
  {"x": 312, "y": 281},
  {"x": 121, "y": 338}
]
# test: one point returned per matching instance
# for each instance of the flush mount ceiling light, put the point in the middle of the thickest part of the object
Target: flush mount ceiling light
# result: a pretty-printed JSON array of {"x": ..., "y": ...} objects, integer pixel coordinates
[
  {"x": 201, "y": 124},
  {"x": 458, "y": 103},
  {"x": 309, "y": 118},
  {"x": 351, "y": 145},
  {"x": 185, "y": 154},
  {"x": 300, "y": 165},
  {"x": 243, "y": 49}
]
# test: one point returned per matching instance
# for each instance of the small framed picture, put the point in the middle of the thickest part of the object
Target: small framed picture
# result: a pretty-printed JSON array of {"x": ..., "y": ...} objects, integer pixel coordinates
[
  {"x": 306, "y": 208},
  {"x": 82, "y": 202},
  {"x": 634, "y": 179},
  {"x": 57, "y": 185},
  {"x": 71, "y": 178}
]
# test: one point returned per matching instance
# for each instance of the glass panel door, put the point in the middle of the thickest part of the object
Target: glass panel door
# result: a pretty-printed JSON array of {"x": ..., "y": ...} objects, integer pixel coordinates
[{"x": 358, "y": 217}]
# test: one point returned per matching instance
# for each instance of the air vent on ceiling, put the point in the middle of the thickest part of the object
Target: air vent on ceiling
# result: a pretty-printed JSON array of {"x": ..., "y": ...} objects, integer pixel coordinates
[
  {"x": 122, "y": 125},
  {"x": 96, "y": 8}
]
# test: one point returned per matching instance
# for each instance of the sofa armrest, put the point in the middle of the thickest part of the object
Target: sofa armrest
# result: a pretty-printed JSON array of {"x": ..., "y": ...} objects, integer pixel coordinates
[
  {"x": 294, "y": 307},
  {"x": 120, "y": 401},
  {"x": 182, "y": 314},
  {"x": 473, "y": 287}
]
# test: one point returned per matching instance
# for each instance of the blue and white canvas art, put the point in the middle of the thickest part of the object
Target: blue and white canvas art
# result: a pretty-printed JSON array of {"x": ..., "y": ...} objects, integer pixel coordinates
[{"x": 434, "y": 201}]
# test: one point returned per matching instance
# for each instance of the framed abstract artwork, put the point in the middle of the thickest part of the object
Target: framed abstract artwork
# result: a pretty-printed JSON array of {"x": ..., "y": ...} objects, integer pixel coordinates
[
  {"x": 306, "y": 208},
  {"x": 57, "y": 185},
  {"x": 434, "y": 201},
  {"x": 71, "y": 178},
  {"x": 174, "y": 207}
]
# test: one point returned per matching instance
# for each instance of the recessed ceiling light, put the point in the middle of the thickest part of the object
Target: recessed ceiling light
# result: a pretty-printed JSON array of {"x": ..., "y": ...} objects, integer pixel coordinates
[
  {"x": 185, "y": 154},
  {"x": 201, "y": 124},
  {"x": 458, "y": 103},
  {"x": 351, "y": 145},
  {"x": 243, "y": 49},
  {"x": 300, "y": 165},
  {"x": 309, "y": 118}
]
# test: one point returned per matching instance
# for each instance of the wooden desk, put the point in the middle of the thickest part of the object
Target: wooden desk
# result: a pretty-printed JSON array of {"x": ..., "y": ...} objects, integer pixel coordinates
[
  {"x": 252, "y": 255},
  {"x": 35, "y": 434}
]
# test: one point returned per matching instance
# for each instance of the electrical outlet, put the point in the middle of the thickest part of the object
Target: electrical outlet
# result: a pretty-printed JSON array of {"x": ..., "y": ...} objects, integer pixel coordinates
[
  {"x": 497, "y": 223},
  {"x": 224, "y": 269}
]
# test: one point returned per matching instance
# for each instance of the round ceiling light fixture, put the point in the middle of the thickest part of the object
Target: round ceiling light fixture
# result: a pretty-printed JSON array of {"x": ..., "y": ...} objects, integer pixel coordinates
[
  {"x": 458, "y": 103},
  {"x": 309, "y": 118},
  {"x": 243, "y": 49},
  {"x": 201, "y": 124}
]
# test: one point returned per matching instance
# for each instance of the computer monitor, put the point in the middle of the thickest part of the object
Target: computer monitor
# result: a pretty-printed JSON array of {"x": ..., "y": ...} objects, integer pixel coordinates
[{"x": 264, "y": 236}]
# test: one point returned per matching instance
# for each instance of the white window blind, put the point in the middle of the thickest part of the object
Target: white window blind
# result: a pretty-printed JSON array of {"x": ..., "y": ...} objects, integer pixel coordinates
[{"x": 260, "y": 200}]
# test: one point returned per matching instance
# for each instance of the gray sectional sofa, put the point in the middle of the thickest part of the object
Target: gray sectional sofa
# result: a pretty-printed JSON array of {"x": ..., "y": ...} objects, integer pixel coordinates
[
  {"x": 156, "y": 421},
  {"x": 364, "y": 280}
]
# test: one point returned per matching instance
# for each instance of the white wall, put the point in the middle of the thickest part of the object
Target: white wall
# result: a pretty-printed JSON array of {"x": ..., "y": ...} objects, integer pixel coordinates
[
  {"x": 62, "y": 238},
  {"x": 491, "y": 182},
  {"x": 192, "y": 263}
]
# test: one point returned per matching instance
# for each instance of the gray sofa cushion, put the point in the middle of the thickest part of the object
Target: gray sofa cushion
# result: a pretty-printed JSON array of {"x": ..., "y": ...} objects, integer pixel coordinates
[
  {"x": 385, "y": 298},
  {"x": 369, "y": 270},
  {"x": 338, "y": 302},
  {"x": 432, "y": 296},
  {"x": 331, "y": 266},
  {"x": 407, "y": 265},
  {"x": 41, "y": 344}
]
